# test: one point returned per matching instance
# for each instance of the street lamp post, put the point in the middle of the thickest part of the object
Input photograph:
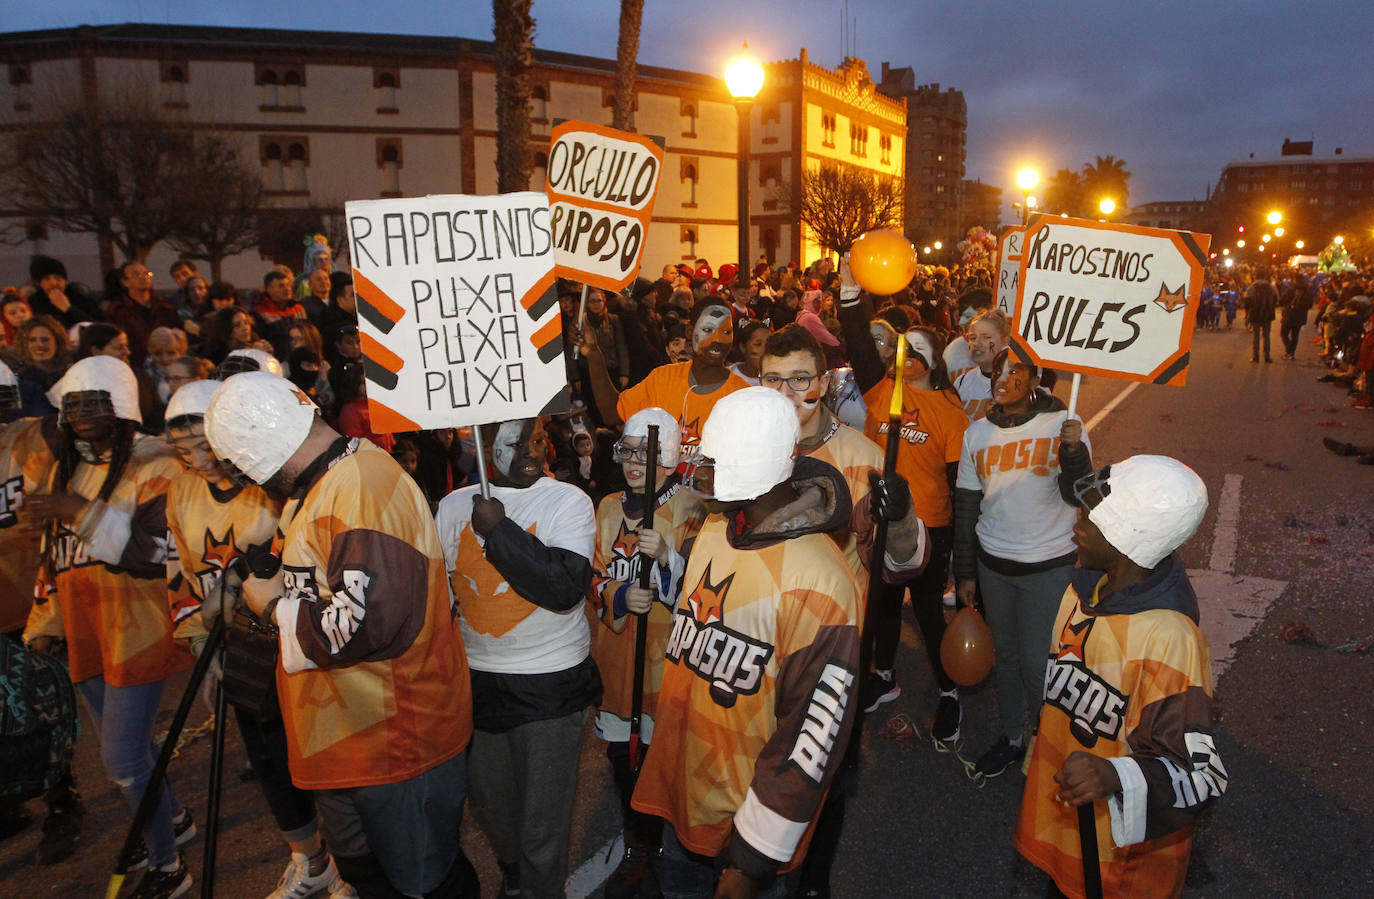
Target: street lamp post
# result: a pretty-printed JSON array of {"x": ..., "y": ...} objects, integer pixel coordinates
[
  {"x": 744, "y": 79},
  {"x": 1026, "y": 179},
  {"x": 1107, "y": 207}
]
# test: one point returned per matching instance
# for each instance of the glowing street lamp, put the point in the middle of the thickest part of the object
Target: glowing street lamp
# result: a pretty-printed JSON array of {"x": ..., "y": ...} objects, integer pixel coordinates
[
  {"x": 744, "y": 79},
  {"x": 926, "y": 250},
  {"x": 1241, "y": 244},
  {"x": 1226, "y": 252},
  {"x": 1338, "y": 240},
  {"x": 1278, "y": 232},
  {"x": 1274, "y": 217},
  {"x": 1299, "y": 245},
  {"x": 1266, "y": 238},
  {"x": 1107, "y": 206},
  {"x": 939, "y": 245},
  {"x": 1026, "y": 179}
]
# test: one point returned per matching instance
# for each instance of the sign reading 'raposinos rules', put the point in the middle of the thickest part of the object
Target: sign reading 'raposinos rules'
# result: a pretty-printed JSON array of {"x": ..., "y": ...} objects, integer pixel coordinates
[
  {"x": 457, "y": 310},
  {"x": 1108, "y": 299}
]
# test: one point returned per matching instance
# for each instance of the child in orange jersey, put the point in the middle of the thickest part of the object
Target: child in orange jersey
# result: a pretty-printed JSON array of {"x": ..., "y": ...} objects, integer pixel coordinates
[
  {"x": 1127, "y": 712},
  {"x": 622, "y": 545}
]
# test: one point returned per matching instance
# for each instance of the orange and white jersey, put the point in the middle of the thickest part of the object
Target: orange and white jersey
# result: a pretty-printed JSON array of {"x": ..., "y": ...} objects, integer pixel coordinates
[
  {"x": 758, "y": 693},
  {"x": 210, "y": 528},
  {"x": 856, "y": 457},
  {"x": 975, "y": 392},
  {"x": 615, "y": 566},
  {"x": 373, "y": 681},
  {"x": 507, "y": 632},
  {"x": 931, "y": 434},
  {"x": 670, "y": 387},
  {"x": 1134, "y": 689},
  {"x": 26, "y": 462},
  {"x": 105, "y": 585}
]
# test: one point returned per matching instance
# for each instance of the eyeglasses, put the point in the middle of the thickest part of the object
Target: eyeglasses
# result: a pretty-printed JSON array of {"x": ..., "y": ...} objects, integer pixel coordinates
[
  {"x": 622, "y": 453},
  {"x": 798, "y": 383}
]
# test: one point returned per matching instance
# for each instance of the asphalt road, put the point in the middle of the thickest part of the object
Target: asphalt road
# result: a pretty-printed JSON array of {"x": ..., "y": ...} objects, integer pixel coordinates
[{"x": 1294, "y": 732}]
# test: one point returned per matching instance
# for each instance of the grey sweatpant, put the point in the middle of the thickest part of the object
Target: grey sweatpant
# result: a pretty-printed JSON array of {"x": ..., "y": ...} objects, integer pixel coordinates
[
  {"x": 1021, "y": 612},
  {"x": 521, "y": 784}
]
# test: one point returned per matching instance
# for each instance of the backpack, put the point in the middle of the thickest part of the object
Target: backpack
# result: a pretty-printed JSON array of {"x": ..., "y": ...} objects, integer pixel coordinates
[{"x": 38, "y": 721}]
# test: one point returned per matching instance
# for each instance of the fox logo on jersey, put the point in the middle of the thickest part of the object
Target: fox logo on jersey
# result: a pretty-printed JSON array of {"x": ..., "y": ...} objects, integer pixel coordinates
[
  {"x": 217, "y": 555},
  {"x": 1094, "y": 706},
  {"x": 733, "y": 663},
  {"x": 623, "y": 565}
]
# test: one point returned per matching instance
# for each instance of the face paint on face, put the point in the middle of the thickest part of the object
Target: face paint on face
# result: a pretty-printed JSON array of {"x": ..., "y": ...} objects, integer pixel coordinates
[
  {"x": 778, "y": 373},
  {"x": 1014, "y": 385},
  {"x": 713, "y": 334},
  {"x": 503, "y": 447},
  {"x": 921, "y": 347},
  {"x": 985, "y": 341},
  {"x": 882, "y": 339}
]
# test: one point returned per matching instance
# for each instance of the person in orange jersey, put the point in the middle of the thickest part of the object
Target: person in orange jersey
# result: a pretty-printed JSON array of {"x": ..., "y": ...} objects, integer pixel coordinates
[
  {"x": 372, "y": 679},
  {"x": 622, "y": 544},
  {"x": 1127, "y": 712},
  {"x": 102, "y": 587},
  {"x": 761, "y": 668}
]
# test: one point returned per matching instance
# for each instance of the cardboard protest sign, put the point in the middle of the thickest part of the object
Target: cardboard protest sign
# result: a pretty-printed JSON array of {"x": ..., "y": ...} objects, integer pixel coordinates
[
  {"x": 1009, "y": 267},
  {"x": 457, "y": 310},
  {"x": 601, "y": 185},
  {"x": 1108, "y": 299}
]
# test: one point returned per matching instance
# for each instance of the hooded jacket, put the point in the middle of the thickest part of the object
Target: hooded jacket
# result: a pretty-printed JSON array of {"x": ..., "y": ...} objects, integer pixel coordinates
[
  {"x": 1129, "y": 679},
  {"x": 759, "y": 681}
]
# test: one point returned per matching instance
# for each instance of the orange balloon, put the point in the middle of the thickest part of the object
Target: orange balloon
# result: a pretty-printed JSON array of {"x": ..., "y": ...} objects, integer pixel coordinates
[
  {"x": 966, "y": 650},
  {"x": 883, "y": 262}
]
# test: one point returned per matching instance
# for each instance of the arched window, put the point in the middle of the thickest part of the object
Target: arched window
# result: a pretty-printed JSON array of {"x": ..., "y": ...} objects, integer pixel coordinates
[
  {"x": 539, "y": 103},
  {"x": 689, "y": 243},
  {"x": 689, "y": 120},
  {"x": 269, "y": 88},
  {"x": 272, "y": 160},
  {"x": 292, "y": 82},
  {"x": 389, "y": 160},
  {"x": 387, "y": 83},
  {"x": 689, "y": 178},
  {"x": 296, "y": 160}
]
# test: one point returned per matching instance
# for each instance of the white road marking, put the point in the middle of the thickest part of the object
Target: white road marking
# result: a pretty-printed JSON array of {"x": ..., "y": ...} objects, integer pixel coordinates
[
  {"x": 1230, "y": 605},
  {"x": 1228, "y": 526},
  {"x": 594, "y": 871},
  {"x": 1106, "y": 410}
]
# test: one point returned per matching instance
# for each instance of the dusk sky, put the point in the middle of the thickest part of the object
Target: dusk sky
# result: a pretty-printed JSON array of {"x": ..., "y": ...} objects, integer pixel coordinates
[{"x": 1177, "y": 89}]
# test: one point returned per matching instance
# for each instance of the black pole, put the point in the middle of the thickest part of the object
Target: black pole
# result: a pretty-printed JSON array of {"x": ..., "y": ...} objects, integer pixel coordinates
[
  {"x": 646, "y": 565},
  {"x": 144, "y": 812},
  {"x": 207, "y": 875},
  {"x": 1087, "y": 842},
  {"x": 744, "y": 107}
]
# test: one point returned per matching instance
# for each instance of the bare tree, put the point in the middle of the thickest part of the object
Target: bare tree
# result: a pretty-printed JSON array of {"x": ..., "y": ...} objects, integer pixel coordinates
[
  {"x": 839, "y": 203},
  {"x": 626, "y": 56},
  {"x": 217, "y": 216},
  {"x": 112, "y": 174},
  {"x": 513, "y": 30}
]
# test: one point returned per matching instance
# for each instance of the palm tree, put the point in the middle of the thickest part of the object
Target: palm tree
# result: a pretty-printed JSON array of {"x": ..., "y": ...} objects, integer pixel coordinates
[
  {"x": 1107, "y": 177},
  {"x": 626, "y": 54},
  {"x": 513, "y": 30},
  {"x": 1064, "y": 193}
]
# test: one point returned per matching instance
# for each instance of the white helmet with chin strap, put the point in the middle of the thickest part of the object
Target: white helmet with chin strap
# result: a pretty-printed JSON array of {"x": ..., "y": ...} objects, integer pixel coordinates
[
  {"x": 669, "y": 433},
  {"x": 256, "y": 421},
  {"x": 751, "y": 435},
  {"x": 9, "y": 389},
  {"x": 189, "y": 403},
  {"x": 100, "y": 374},
  {"x": 248, "y": 360}
]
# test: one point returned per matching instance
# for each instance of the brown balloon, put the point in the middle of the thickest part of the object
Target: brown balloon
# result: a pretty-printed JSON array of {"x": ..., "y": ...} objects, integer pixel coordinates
[{"x": 966, "y": 650}]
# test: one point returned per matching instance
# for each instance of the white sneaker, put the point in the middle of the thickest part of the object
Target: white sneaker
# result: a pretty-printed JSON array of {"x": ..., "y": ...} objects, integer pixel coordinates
[{"x": 296, "y": 882}]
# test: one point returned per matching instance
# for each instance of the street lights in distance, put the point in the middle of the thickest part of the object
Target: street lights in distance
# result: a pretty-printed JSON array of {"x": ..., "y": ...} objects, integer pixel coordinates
[
  {"x": 1026, "y": 179},
  {"x": 744, "y": 80}
]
